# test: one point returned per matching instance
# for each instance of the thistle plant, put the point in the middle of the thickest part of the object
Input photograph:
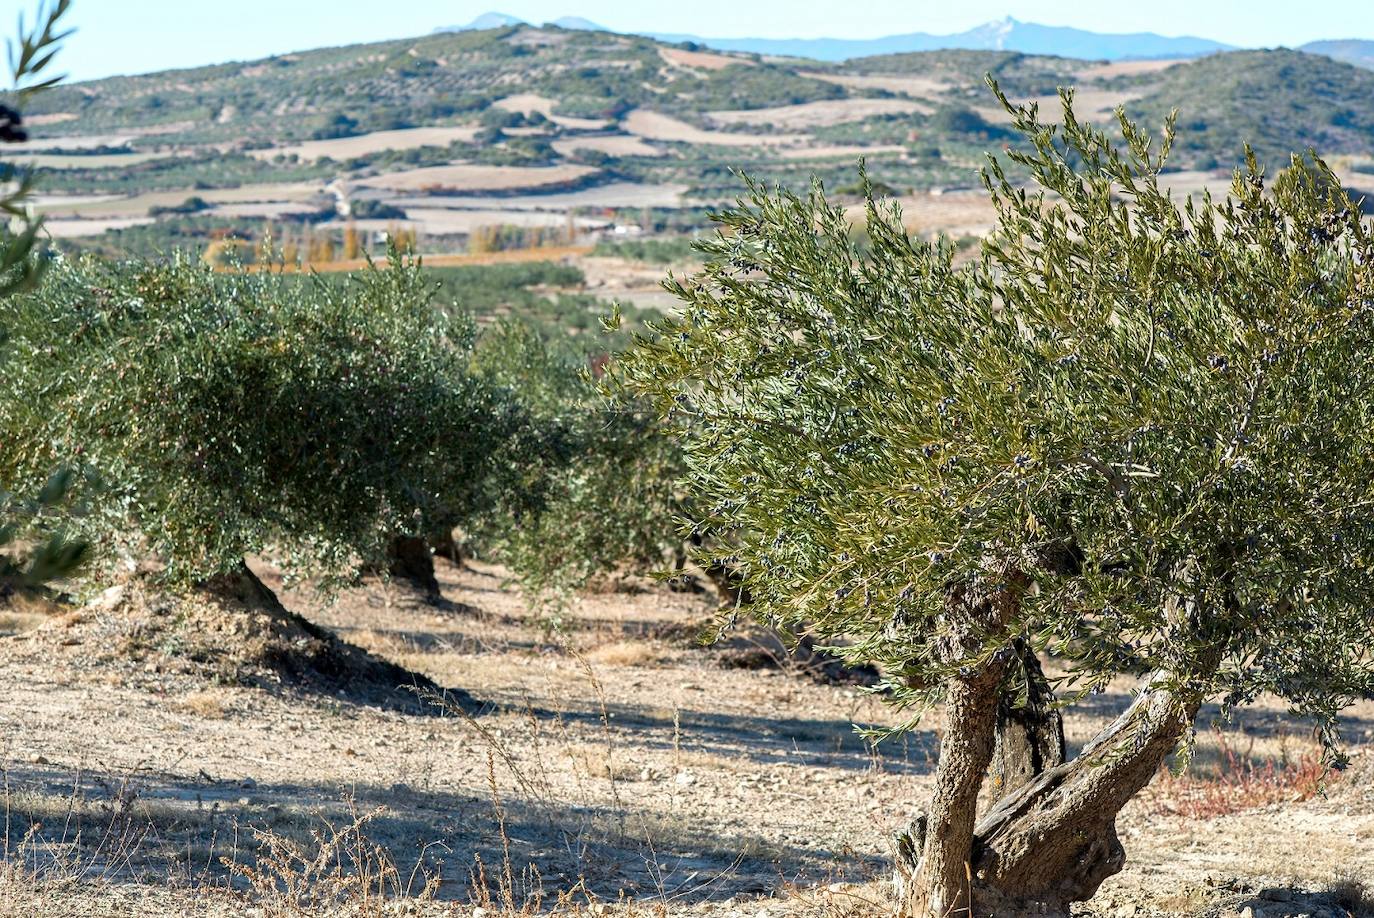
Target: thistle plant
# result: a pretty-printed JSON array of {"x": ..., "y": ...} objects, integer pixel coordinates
[{"x": 1132, "y": 436}]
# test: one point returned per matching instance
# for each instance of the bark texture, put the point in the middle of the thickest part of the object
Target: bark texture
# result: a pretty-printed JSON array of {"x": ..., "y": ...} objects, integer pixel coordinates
[
  {"x": 1053, "y": 841},
  {"x": 1030, "y": 730},
  {"x": 1046, "y": 844},
  {"x": 937, "y": 884}
]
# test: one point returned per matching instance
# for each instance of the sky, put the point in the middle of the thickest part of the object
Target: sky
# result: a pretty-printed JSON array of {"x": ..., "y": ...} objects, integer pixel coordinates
[{"x": 139, "y": 36}]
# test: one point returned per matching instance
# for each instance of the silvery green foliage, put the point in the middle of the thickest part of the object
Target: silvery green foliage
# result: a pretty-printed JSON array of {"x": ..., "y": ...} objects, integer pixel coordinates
[
  {"x": 1149, "y": 416},
  {"x": 228, "y": 414},
  {"x": 598, "y": 489},
  {"x": 50, "y": 553}
]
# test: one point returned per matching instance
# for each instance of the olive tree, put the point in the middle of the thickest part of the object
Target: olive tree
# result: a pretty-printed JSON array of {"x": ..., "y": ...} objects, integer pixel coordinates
[
  {"x": 1133, "y": 436},
  {"x": 224, "y": 415},
  {"x": 589, "y": 487},
  {"x": 34, "y": 548}
]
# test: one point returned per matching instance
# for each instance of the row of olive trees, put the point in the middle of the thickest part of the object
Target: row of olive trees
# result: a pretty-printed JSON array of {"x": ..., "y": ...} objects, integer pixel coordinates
[{"x": 221, "y": 416}]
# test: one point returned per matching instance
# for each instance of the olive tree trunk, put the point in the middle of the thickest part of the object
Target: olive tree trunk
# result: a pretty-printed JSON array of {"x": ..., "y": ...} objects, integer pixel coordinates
[
  {"x": 1054, "y": 841},
  {"x": 1030, "y": 730},
  {"x": 270, "y": 639},
  {"x": 933, "y": 856},
  {"x": 410, "y": 559},
  {"x": 1048, "y": 843}
]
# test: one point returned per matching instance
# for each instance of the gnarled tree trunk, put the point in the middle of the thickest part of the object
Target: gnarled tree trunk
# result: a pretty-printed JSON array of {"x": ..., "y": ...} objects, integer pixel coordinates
[
  {"x": 933, "y": 858},
  {"x": 1048, "y": 843},
  {"x": 1054, "y": 841},
  {"x": 1030, "y": 730}
]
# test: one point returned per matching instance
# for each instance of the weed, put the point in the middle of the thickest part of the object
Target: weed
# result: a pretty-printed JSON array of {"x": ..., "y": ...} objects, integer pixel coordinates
[{"x": 1241, "y": 781}]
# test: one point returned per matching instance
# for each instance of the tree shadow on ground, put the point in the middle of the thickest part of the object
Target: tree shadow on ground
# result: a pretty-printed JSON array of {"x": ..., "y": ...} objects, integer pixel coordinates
[
  {"x": 193, "y": 831},
  {"x": 1252, "y": 722},
  {"x": 828, "y": 742}
]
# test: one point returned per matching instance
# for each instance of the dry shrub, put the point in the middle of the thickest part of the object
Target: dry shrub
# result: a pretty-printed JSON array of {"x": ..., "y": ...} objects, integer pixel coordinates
[
  {"x": 20, "y": 612},
  {"x": 1242, "y": 782},
  {"x": 209, "y": 705},
  {"x": 626, "y": 653},
  {"x": 341, "y": 872},
  {"x": 1352, "y": 895}
]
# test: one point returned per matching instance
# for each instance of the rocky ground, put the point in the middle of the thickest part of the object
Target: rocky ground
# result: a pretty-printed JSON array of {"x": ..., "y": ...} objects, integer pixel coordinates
[{"x": 147, "y": 774}]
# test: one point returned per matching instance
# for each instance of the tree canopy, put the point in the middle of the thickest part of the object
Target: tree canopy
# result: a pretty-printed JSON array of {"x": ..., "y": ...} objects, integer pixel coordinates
[
  {"x": 1157, "y": 410},
  {"x": 225, "y": 414},
  {"x": 49, "y": 551}
]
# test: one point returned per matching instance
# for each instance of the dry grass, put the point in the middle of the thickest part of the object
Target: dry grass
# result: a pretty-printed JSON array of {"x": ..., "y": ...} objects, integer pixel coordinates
[
  {"x": 341, "y": 869},
  {"x": 23, "y": 612},
  {"x": 626, "y": 653},
  {"x": 657, "y": 126},
  {"x": 1354, "y": 895},
  {"x": 701, "y": 60},
  {"x": 808, "y": 115},
  {"x": 461, "y": 177},
  {"x": 342, "y": 148},
  {"x": 211, "y": 704},
  {"x": 1240, "y": 781}
]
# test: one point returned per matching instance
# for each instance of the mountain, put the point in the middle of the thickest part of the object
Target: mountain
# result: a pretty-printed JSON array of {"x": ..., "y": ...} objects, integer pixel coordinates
[
  {"x": 503, "y": 20},
  {"x": 1351, "y": 50},
  {"x": 577, "y": 24},
  {"x": 485, "y": 21},
  {"x": 1002, "y": 35}
]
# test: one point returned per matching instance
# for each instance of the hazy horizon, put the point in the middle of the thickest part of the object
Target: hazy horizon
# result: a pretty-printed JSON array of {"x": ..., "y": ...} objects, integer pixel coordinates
[{"x": 153, "y": 35}]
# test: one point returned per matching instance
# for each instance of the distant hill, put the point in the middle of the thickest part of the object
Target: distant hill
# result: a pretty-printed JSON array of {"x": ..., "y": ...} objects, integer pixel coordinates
[
  {"x": 484, "y": 21},
  {"x": 1351, "y": 50},
  {"x": 1278, "y": 101},
  {"x": 578, "y": 23},
  {"x": 590, "y": 106},
  {"x": 1005, "y": 34},
  {"x": 502, "y": 20},
  {"x": 435, "y": 79},
  {"x": 1002, "y": 35}
]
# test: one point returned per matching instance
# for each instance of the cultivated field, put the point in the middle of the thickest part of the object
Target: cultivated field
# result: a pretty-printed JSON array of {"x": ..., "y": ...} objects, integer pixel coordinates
[{"x": 350, "y": 147}]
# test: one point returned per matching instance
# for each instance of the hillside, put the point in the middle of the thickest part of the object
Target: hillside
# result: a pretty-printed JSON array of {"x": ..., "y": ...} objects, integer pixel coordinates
[
  {"x": 1278, "y": 101},
  {"x": 339, "y": 91},
  {"x": 520, "y": 134}
]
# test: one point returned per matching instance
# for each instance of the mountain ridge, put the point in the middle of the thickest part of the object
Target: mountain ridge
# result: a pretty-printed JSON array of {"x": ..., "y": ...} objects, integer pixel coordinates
[{"x": 1006, "y": 34}]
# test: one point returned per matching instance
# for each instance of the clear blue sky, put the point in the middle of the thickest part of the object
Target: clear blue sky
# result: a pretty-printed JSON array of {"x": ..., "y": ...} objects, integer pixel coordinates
[{"x": 135, "y": 36}]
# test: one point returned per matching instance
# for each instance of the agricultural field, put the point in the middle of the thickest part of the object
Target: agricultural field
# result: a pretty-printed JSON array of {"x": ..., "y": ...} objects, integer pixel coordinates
[
  {"x": 427, "y": 135},
  {"x": 620, "y": 761}
]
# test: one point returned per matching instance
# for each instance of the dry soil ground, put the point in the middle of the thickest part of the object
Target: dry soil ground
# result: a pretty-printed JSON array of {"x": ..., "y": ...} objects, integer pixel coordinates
[{"x": 618, "y": 761}]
